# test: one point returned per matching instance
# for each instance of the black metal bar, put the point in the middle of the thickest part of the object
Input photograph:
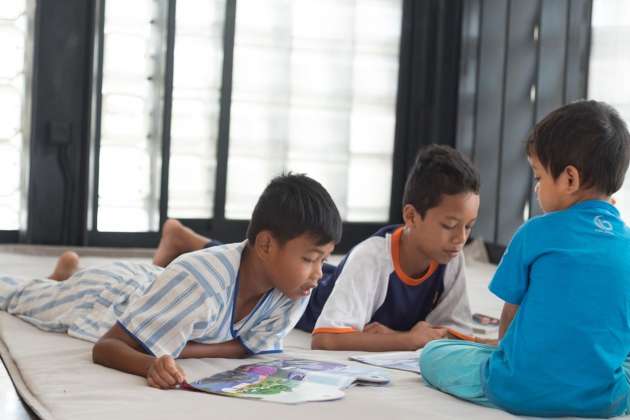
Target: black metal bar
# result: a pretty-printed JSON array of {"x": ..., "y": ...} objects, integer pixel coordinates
[
  {"x": 59, "y": 125},
  {"x": 403, "y": 99},
  {"x": 95, "y": 36},
  {"x": 586, "y": 54},
  {"x": 567, "y": 36},
  {"x": 95, "y": 126},
  {"x": 124, "y": 239},
  {"x": 518, "y": 117},
  {"x": 551, "y": 67},
  {"x": 9, "y": 236},
  {"x": 168, "y": 107},
  {"x": 26, "y": 234},
  {"x": 426, "y": 109},
  {"x": 446, "y": 77},
  {"x": 469, "y": 64},
  {"x": 223, "y": 143},
  {"x": 579, "y": 23},
  {"x": 473, "y": 155},
  {"x": 489, "y": 106},
  {"x": 497, "y": 203},
  {"x": 531, "y": 200}
]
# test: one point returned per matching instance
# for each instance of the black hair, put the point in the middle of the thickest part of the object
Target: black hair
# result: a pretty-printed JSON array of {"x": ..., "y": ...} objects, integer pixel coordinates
[
  {"x": 438, "y": 170},
  {"x": 294, "y": 204},
  {"x": 589, "y": 135}
]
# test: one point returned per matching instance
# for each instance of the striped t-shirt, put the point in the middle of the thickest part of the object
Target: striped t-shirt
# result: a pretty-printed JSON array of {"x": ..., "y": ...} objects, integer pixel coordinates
[{"x": 193, "y": 299}]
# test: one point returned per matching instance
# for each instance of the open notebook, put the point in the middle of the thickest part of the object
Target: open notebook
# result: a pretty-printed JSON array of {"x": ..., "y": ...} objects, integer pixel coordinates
[
  {"x": 399, "y": 360},
  {"x": 408, "y": 360}
]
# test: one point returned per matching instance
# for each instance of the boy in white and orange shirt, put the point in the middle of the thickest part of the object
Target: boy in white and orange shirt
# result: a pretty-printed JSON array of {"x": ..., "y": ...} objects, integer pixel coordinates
[{"x": 401, "y": 288}]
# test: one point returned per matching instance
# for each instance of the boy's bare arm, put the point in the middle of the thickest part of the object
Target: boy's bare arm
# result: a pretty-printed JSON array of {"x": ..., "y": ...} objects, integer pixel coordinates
[
  {"x": 117, "y": 350},
  {"x": 413, "y": 339},
  {"x": 507, "y": 315}
]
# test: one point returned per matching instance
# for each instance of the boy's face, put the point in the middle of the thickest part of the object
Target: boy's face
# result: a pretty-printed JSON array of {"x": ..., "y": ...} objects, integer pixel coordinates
[
  {"x": 443, "y": 231},
  {"x": 548, "y": 190},
  {"x": 295, "y": 267}
]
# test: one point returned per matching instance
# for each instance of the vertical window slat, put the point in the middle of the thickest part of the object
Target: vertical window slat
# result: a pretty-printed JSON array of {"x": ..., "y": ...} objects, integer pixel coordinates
[
  {"x": 315, "y": 91},
  {"x": 131, "y": 109},
  {"x": 15, "y": 41}
]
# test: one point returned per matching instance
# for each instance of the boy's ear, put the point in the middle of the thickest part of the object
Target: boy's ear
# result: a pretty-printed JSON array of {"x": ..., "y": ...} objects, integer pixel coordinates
[
  {"x": 572, "y": 179},
  {"x": 410, "y": 215},
  {"x": 265, "y": 243}
]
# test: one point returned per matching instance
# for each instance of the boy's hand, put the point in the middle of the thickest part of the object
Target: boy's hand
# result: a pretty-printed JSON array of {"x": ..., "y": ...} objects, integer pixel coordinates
[
  {"x": 164, "y": 373},
  {"x": 377, "y": 328},
  {"x": 423, "y": 332}
]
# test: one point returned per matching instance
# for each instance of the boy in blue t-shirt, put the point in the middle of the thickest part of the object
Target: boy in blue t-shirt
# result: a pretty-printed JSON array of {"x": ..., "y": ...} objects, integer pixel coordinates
[{"x": 565, "y": 279}]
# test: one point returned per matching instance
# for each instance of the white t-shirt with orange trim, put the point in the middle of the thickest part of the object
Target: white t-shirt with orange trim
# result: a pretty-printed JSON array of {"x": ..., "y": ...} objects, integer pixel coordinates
[{"x": 370, "y": 286}]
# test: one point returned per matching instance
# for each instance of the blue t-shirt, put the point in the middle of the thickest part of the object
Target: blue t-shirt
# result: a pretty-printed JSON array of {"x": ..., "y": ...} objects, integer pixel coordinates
[{"x": 563, "y": 353}]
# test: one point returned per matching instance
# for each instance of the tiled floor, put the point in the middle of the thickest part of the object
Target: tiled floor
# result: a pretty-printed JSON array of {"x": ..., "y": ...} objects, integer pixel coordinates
[{"x": 11, "y": 406}]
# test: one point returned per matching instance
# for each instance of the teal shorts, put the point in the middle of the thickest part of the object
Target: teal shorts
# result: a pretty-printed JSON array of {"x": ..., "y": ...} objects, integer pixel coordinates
[{"x": 454, "y": 367}]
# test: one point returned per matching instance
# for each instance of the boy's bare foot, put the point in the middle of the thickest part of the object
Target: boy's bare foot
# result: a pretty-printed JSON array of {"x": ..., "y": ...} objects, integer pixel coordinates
[
  {"x": 66, "y": 266},
  {"x": 176, "y": 239}
]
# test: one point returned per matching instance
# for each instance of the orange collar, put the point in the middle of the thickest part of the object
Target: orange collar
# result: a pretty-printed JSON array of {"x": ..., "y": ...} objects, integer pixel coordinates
[{"x": 433, "y": 265}]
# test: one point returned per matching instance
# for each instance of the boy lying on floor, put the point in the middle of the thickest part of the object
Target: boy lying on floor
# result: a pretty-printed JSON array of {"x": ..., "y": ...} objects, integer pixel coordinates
[{"x": 226, "y": 301}]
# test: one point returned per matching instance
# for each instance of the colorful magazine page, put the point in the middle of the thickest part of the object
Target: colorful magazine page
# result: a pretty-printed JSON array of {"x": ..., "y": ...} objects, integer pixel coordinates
[
  {"x": 288, "y": 381},
  {"x": 400, "y": 360}
]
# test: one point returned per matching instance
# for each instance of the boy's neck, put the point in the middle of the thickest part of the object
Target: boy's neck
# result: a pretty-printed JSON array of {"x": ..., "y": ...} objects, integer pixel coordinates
[
  {"x": 412, "y": 262},
  {"x": 586, "y": 195},
  {"x": 252, "y": 278}
]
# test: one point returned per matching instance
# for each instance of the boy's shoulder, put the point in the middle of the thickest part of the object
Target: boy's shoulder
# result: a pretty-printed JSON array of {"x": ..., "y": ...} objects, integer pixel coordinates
[
  {"x": 232, "y": 251},
  {"x": 542, "y": 224},
  {"x": 375, "y": 247},
  {"x": 221, "y": 260},
  {"x": 584, "y": 212}
]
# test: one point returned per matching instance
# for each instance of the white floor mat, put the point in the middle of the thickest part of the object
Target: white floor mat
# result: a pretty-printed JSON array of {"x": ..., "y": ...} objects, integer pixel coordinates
[{"x": 55, "y": 375}]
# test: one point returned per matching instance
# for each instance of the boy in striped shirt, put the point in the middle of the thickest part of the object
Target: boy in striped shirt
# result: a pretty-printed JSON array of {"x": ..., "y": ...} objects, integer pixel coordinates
[{"x": 230, "y": 300}]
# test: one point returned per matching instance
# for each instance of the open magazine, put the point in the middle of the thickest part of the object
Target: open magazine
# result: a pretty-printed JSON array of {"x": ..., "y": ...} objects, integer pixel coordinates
[{"x": 288, "y": 381}]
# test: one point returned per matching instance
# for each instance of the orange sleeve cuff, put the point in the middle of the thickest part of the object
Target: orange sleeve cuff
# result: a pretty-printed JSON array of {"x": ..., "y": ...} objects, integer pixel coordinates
[{"x": 460, "y": 335}]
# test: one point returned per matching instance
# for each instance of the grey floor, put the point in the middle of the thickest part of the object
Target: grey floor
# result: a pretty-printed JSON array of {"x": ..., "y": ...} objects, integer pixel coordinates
[
  {"x": 11, "y": 406},
  {"x": 38, "y": 261}
]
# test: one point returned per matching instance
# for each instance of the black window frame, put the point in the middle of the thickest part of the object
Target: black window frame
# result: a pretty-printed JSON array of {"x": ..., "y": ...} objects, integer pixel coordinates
[
  {"x": 421, "y": 36},
  {"x": 426, "y": 112}
]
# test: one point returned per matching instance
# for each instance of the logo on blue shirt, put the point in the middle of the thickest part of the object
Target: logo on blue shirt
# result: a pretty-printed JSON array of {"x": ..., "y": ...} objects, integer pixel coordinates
[{"x": 603, "y": 225}]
